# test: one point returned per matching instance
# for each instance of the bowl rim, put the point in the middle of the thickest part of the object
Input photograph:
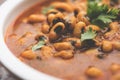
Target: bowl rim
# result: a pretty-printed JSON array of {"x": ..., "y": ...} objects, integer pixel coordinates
[{"x": 12, "y": 63}]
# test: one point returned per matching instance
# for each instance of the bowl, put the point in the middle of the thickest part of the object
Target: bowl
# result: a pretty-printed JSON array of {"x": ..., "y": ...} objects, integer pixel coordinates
[{"x": 8, "y": 12}]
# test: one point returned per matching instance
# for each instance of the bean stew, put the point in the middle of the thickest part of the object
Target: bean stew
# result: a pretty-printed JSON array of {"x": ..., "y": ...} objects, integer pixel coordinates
[{"x": 69, "y": 39}]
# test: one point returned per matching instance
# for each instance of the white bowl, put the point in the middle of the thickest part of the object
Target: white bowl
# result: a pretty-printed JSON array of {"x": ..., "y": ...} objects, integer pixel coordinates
[{"x": 8, "y": 12}]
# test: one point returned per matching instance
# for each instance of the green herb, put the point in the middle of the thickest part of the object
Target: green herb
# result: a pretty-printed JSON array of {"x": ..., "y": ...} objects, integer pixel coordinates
[
  {"x": 101, "y": 15},
  {"x": 39, "y": 45},
  {"x": 89, "y": 34},
  {"x": 46, "y": 9}
]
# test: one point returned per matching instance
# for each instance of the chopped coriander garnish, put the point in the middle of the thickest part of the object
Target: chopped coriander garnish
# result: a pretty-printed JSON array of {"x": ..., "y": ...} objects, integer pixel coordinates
[
  {"x": 101, "y": 15},
  {"x": 46, "y": 9},
  {"x": 89, "y": 34},
  {"x": 39, "y": 45}
]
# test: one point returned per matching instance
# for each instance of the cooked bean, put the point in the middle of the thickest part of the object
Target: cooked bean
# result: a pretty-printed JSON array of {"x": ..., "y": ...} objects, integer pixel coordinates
[
  {"x": 29, "y": 54},
  {"x": 58, "y": 27},
  {"x": 55, "y": 30},
  {"x": 109, "y": 34},
  {"x": 45, "y": 28},
  {"x": 52, "y": 35},
  {"x": 106, "y": 2},
  {"x": 25, "y": 20},
  {"x": 97, "y": 42},
  {"x": 52, "y": 11},
  {"x": 64, "y": 54},
  {"x": 116, "y": 45},
  {"x": 114, "y": 68},
  {"x": 70, "y": 39},
  {"x": 50, "y": 18},
  {"x": 82, "y": 18},
  {"x": 114, "y": 26},
  {"x": 59, "y": 15},
  {"x": 63, "y": 46},
  {"x": 78, "y": 44},
  {"x": 78, "y": 29},
  {"x": 63, "y": 6},
  {"x": 72, "y": 21},
  {"x": 46, "y": 52},
  {"x": 36, "y": 18},
  {"x": 94, "y": 27},
  {"x": 76, "y": 11},
  {"x": 82, "y": 7},
  {"x": 107, "y": 46},
  {"x": 42, "y": 36},
  {"x": 93, "y": 72},
  {"x": 74, "y": 41}
]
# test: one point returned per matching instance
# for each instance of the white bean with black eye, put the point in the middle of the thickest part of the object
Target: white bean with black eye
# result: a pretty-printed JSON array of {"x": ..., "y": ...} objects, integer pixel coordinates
[
  {"x": 78, "y": 29},
  {"x": 56, "y": 30}
]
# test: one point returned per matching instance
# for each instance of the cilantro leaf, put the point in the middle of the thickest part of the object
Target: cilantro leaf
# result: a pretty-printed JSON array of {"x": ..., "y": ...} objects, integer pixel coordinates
[
  {"x": 101, "y": 15},
  {"x": 39, "y": 45},
  {"x": 103, "y": 20},
  {"x": 113, "y": 12},
  {"x": 89, "y": 34},
  {"x": 46, "y": 9}
]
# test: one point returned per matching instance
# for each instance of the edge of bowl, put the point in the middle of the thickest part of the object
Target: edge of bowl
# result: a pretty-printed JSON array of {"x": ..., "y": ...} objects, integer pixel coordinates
[{"x": 11, "y": 62}]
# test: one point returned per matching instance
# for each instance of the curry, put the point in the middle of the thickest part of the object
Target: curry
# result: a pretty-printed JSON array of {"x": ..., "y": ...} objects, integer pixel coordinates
[{"x": 69, "y": 39}]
